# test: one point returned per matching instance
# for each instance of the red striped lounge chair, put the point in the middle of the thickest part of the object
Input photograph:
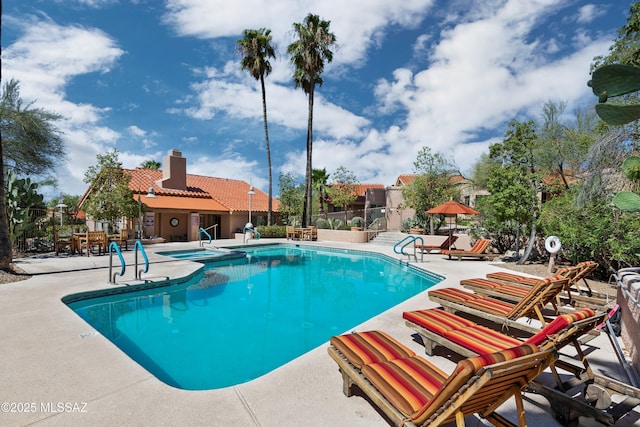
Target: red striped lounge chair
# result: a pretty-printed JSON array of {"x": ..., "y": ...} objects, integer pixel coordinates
[
  {"x": 411, "y": 391},
  {"x": 479, "y": 250},
  {"x": 500, "y": 311},
  {"x": 513, "y": 292},
  {"x": 465, "y": 337},
  {"x": 446, "y": 245},
  {"x": 565, "y": 329},
  {"x": 583, "y": 294}
]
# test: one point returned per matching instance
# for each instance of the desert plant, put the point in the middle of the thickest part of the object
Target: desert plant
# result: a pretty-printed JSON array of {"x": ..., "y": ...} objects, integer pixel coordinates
[{"x": 357, "y": 221}]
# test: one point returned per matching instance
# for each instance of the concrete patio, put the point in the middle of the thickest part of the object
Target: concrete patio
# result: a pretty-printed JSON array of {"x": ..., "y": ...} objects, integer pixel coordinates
[{"x": 57, "y": 370}]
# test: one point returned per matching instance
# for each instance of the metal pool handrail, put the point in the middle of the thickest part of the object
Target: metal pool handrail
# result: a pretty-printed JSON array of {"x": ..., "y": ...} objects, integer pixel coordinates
[
  {"x": 113, "y": 246},
  {"x": 137, "y": 245},
  {"x": 409, "y": 240},
  {"x": 203, "y": 231}
]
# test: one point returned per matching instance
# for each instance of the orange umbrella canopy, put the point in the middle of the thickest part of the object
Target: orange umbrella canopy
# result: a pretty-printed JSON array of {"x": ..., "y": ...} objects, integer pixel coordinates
[{"x": 452, "y": 208}]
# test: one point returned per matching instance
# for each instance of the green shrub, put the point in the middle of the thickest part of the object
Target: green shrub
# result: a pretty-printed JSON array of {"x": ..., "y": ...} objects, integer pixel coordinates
[
  {"x": 273, "y": 231},
  {"x": 357, "y": 221},
  {"x": 322, "y": 223}
]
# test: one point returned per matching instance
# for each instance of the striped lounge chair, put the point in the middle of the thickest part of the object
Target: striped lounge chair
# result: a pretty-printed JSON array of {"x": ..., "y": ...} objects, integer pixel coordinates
[
  {"x": 513, "y": 292},
  {"x": 465, "y": 337},
  {"x": 469, "y": 339},
  {"x": 411, "y": 391},
  {"x": 581, "y": 295},
  {"x": 499, "y": 311},
  {"x": 479, "y": 250}
]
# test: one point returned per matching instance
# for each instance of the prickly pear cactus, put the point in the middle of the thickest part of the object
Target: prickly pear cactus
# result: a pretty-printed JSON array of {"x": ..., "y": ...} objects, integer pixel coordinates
[{"x": 612, "y": 81}]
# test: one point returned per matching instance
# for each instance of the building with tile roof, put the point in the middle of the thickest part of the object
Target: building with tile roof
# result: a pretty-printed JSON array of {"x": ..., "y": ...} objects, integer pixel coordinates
[{"x": 184, "y": 203}]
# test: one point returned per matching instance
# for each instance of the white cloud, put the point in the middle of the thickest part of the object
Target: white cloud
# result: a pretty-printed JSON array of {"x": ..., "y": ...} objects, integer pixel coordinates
[
  {"x": 136, "y": 131},
  {"x": 44, "y": 59}
]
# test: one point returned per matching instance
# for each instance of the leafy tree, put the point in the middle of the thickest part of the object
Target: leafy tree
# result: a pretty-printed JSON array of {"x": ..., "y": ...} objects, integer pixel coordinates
[
  {"x": 319, "y": 177},
  {"x": 151, "y": 164},
  {"x": 432, "y": 186},
  {"x": 291, "y": 195},
  {"x": 514, "y": 185},
  {"x": 308, "y": 55},
  {"x": 562, "y": 145},
  {"x": 256, "y": 49},
  {"x": 344, "y": 190},
  {"x": 110, "y": 197},
  {"x": 29, "y": 145},
  {"x": 626, "y": 48},
  {"x": 592, "y": 231}
]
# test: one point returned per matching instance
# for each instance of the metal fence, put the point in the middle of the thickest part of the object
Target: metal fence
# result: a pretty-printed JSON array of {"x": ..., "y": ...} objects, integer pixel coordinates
[{"x": 374, "y": 218}]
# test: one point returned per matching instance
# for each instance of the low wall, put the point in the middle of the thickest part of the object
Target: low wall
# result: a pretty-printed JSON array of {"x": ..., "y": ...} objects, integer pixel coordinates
[
  {"x": 630, "y": 313},
  {"x": 343, "y": 236}
]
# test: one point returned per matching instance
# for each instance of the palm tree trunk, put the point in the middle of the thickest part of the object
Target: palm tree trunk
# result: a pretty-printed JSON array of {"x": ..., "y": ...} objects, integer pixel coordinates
[
  {"x": 266, "y": 138},
  {"x": 307, "y": 207}
]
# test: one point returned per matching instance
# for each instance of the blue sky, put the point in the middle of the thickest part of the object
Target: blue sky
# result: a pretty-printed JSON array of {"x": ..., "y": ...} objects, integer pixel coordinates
[{"x": 147, "y": 76}]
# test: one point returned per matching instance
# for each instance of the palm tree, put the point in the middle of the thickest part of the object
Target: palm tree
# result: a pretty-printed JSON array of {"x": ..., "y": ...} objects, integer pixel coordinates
[
  {"x": 319, "y": 177},
  {"x": 308, "y": 55},
  {"x": 150, "y": 164},
  {"x": 256, "y": 49}
]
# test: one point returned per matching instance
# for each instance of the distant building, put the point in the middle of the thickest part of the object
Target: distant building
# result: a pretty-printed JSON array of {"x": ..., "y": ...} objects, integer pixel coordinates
[{"x": 184, "y": 203}]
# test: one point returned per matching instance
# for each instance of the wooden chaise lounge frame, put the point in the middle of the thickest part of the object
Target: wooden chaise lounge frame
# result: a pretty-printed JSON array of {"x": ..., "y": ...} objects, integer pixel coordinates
[
  {"x": 574, "y": 293},
  {"x": 446, "y": 245},
  {"x": 566, "y": 407},
  {"x": 479, "y": 250},
  {"x": 467, "y": 391},
  {"x": 499, "y": 311}
]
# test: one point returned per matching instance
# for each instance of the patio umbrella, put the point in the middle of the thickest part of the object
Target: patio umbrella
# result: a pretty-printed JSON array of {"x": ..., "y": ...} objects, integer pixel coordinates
[{"x": 452, "y": 209}]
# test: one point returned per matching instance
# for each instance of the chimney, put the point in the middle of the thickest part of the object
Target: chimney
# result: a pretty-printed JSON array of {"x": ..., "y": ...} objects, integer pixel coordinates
[{"x": 174, "y": 171}]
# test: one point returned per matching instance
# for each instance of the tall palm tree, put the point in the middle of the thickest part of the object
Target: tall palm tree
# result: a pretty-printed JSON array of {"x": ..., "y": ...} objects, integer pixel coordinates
[
  {"x": 319, "y": 178},
  {"x": 256, "y": 49},
  {"x": 308, "y": 55}
]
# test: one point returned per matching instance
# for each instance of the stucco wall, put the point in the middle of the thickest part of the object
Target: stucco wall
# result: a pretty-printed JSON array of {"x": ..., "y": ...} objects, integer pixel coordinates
[{"x": 630, "y": 314}]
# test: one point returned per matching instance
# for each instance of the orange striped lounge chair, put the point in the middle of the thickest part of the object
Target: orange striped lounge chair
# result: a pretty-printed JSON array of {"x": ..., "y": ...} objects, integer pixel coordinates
[
  {"x": 513, "y": 292},
  {"x": 500, "y": 311},
  {"x": 583, "y": 293},
  {"x": 478, "y": 250},
  {"x": 465, "y": 337},
  {"x": 469, "y": 339},
  {"x": 412, "y": 391}
]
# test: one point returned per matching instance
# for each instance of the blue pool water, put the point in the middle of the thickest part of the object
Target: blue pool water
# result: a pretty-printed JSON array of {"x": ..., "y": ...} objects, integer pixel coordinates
[{"x": 241, "y": 318}]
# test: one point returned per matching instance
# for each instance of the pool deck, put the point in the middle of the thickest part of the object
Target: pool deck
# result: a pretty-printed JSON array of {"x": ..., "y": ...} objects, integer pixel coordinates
[{"x": 56, "y": 370}]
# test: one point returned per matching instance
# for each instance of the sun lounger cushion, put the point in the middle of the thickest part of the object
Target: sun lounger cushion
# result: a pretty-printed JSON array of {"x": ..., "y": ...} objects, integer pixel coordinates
[
  {"x": 482, "y": 340},
  {"x": 485, "y": 304},
  {"x": 418, "y": 389},
  {"x": 510, "y": 277},
  {"x": 505, "y": 288},
  {"x": 436, "y": 320},
  {"x": 362, "y": 348}
]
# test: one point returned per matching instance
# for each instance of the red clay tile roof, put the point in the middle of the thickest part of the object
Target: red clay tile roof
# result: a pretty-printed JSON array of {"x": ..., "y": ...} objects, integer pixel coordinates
[{"x": 202, "y": 193}]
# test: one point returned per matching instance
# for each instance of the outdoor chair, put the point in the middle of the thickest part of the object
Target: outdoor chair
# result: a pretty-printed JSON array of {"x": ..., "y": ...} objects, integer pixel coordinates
[
  {"x": 446, "y": 245},
  {"x": 479, "y": 250},
  {"x": 582, "y": 295},
  {"x": 503, "y": 312},
  {"x": 569, "y": 398},
  {"x": 94, "y": 239},
  {"x": 122, "y": 239},
  {"x": 411, "y": 391},
  {"x": 61, "y": 243},
  {"x": 291, "y": 232}
]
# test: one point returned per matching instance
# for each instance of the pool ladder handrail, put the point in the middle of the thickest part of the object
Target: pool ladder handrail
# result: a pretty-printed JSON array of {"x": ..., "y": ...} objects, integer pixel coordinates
[
  {"x": 202, "y": 231},
  {"x": 113, "y": 246},
  {"x": 138, "y": 244},
  {"x": 253, "y": 230},
  {"x": 409, "y": 240}
]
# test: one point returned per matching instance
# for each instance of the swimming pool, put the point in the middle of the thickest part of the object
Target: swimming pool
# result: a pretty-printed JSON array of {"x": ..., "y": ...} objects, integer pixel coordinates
[{"x": 241, "y": 318}]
